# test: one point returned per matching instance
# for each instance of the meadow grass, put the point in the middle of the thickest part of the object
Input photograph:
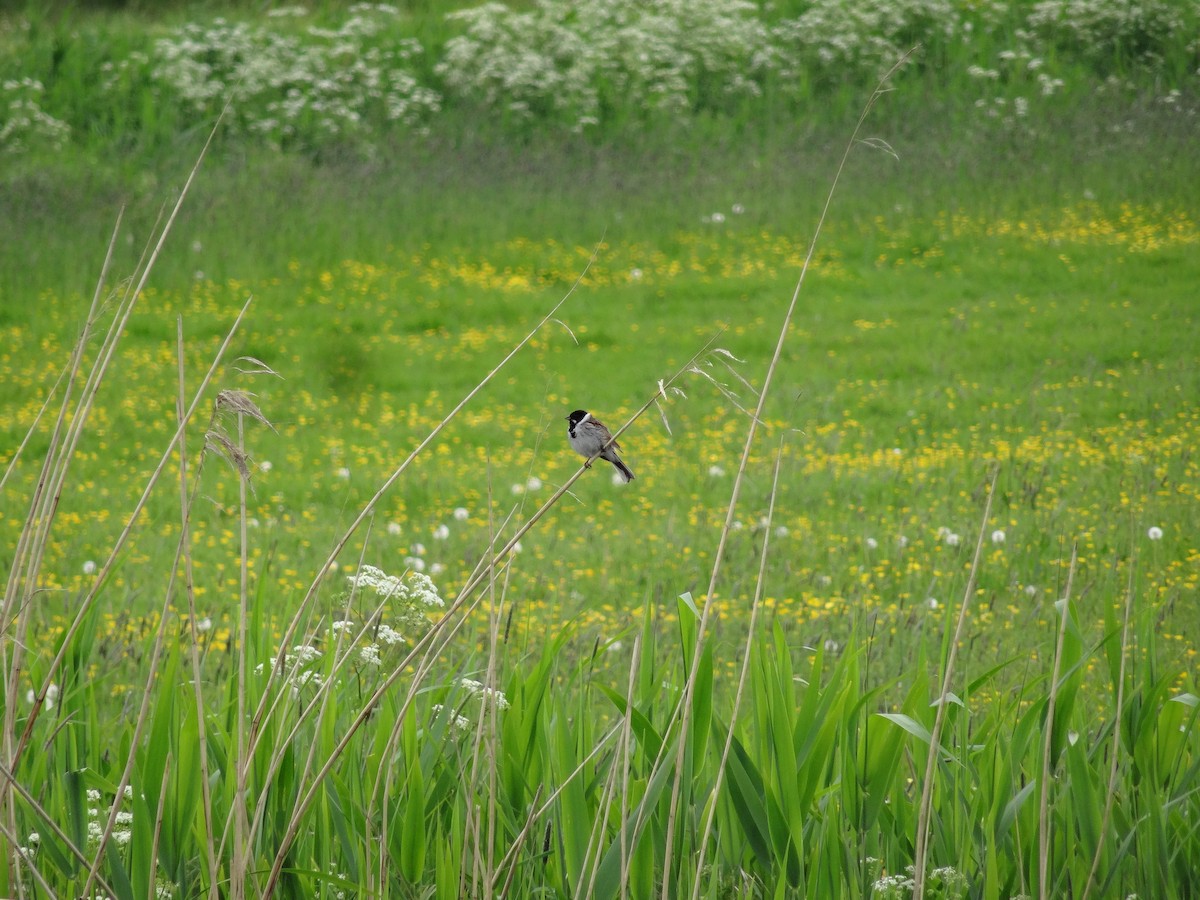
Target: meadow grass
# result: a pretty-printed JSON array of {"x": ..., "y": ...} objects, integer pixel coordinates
[{"x": 950, "y": 646}]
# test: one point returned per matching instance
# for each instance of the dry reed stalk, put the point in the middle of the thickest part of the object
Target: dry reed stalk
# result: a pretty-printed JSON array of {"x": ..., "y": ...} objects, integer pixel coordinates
[
  {"x": 59, "y": 835},
  {"x": 744, "y": 672},
  {"x": 425, "y": 643},
  {"x": 735, "y": 493},
  {"x": 1051, "y": 703},
  {"x": 35, "y": 535},
  {"x": 186, "y": 504},
  {"x": 921, "y": 851},
  {"x": 1115, "y": 752}
]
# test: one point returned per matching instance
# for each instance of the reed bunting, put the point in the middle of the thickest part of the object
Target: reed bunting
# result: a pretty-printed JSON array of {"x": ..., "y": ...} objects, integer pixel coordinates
[{"x": 590, "y": 438}]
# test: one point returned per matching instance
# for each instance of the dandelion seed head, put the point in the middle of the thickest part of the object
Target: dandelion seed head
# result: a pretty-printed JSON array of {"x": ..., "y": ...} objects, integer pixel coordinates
[{"x": 1154, "y": 533}]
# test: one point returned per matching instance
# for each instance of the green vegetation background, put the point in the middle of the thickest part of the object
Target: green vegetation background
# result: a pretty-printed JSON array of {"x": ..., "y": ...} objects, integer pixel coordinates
[{"x": 994, "y": 291}]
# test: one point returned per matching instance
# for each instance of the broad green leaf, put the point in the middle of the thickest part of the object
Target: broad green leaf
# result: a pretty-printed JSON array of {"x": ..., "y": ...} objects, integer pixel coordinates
[
  {"x": 1013, "y": 807},
  {"x": 413, "y": 835}
]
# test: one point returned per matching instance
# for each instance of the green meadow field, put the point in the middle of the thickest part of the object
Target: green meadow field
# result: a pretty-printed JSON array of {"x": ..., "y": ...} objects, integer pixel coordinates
[{"x": 306, "y": 595}]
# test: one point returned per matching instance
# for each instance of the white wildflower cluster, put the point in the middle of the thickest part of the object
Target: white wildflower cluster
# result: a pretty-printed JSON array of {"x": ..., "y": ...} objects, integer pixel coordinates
[
  {"x": 459, "y": 724},
  {"x": 411, "y": 598},
  {"x": 98, "y": 818},
  {"x": 837, "y": 38},
  {"x": 288, "y": 88},
  {"x": 583, "y": 63},
  {"x": 574, "y": 61},
  {"x": 23, "y": 123},
  {"x": 485, "y": 694},
  {"x": 1109, "y": 32},
  {"x": 488, "y": 697},
  {"x": 373, "y": 653},
  {"x": 943, "y": 882},
  {"x": 28, "y": 851},
  {"x": 569, "y": 60},
  {"x": 297, "y": 669}
]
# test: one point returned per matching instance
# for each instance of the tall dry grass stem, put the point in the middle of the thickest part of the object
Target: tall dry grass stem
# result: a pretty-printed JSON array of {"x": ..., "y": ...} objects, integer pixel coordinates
[
  {"x": 1064, "y": 611},
  {"x": 743, "y": 462},
  {"x": 1114, "y": 765},
  {"x": 743, "y": 673},
  {"x": 266, "y": 707},
  {"x": 35, "y": 534},
  {"x": 186, "y": 505},
  {"x": 925, "y": 810},
  {"x": 439, "y": 629}
]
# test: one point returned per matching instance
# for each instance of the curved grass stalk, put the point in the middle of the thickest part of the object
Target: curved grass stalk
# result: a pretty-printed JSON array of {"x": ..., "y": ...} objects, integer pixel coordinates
[
  {"x": 1051, "y": 703},
  {"x": 187, "y": 503},
  {"x": 21, "y": 791},
  {"x": 706, "y": 834},
  {"x": 735, "y": 493},
  {"x": 460, "y": 604},
  {"x": 35, "y": 535},
  {"x": 1115, "y": 753},
  {"x": 263, "y": 709},
  {"x": 921, "y": 850}
]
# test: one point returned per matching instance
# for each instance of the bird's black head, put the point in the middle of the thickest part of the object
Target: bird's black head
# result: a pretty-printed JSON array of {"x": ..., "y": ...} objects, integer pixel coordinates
[{"x": 576, "y": 417}]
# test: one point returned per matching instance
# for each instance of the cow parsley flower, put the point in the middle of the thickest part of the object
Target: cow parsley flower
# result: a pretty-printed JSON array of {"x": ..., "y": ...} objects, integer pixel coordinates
[
  {"x": 369, "y": 655},
  {"x": 484, "y": 693}
]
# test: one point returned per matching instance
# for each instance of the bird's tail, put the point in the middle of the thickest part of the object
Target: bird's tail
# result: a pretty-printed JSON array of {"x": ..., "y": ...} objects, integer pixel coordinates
[{"x": 626, "y": 472}]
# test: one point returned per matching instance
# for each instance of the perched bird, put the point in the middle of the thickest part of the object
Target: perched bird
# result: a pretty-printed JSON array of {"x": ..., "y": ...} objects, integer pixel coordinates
[{"x": 588, "y": 437}]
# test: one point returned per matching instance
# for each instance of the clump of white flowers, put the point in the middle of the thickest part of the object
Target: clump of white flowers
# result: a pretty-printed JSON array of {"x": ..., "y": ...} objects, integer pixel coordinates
[
  {"x": 480, "y": 697},
  {"x": 323, "y": 83},
  {"x": 24, "y": 125},
  {"x": 297, "y": 668},
  {"x": 571, "y": 60},
  {"x": 98, "y": 818},
  {"x": 411, "y": 598},
  {"x": 943, "y": 882}
]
